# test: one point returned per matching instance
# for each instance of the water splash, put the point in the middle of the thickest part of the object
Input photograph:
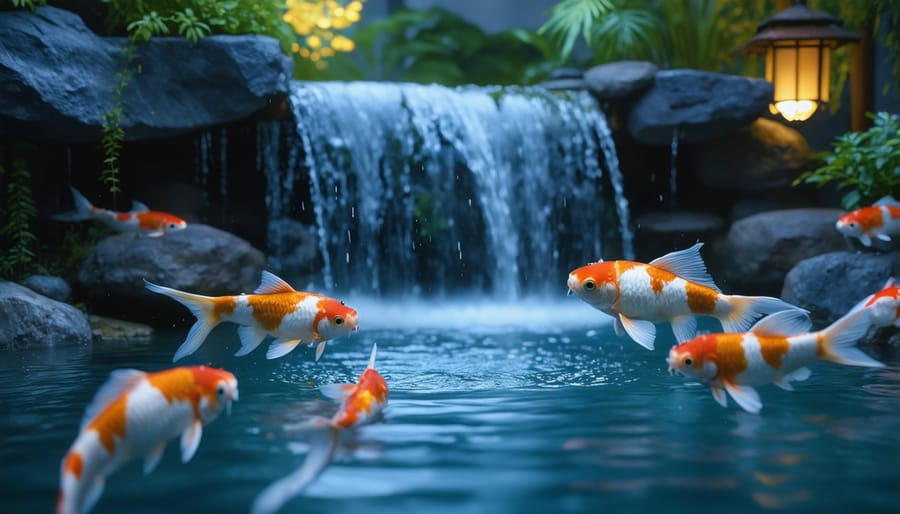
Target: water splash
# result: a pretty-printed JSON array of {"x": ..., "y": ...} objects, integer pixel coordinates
[{"x": 428, "y": 189}]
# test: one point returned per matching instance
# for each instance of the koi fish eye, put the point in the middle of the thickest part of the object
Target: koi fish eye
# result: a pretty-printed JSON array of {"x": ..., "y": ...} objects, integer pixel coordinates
[
  {"x": 338, "y": 320},
  {"x": 589, "y": 284},
  {"x": 688, "y": 361},
  {"x": 852, "y": 224},
  {"x": 220, "y": 390}
]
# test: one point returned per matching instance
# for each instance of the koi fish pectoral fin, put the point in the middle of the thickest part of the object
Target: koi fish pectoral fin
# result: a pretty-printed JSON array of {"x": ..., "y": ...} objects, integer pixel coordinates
[
  {"x": 281, "y": 347},
  {"x": 865, "y": 239},
  {"x": 338, "y": 392},
  {"x": 250, "y": 339},
  {"x": 684, "y": 327},
  {"x": 884, "y": 237},
  {"x": 152, "y": 459},
  {"x": 617, "y": 326},
  {"x": 320, "y": 349},
  {"x": 720, "y": 396},
  {"x": 643, "y": 332},
  {"x": 190, "y": 440},
  {"x": 799, "y": 375},
  {"x": 745, "y": 396},
  {"x": 154, "y": 233}
]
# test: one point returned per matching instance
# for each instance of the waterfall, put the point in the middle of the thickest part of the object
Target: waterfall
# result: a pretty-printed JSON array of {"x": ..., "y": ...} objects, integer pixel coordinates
[{"x": 424, "y": 189}]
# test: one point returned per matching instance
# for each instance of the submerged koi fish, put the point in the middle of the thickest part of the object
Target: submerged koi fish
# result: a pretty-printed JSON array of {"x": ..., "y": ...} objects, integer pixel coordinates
[
  {"x": 274, "y": 308},
  {"x": 134, "y": 415},
  {"x": 361, "y": 403},
  {"x": 884, "y": 305},
  {"x": 775, "y": 351},
  {"x": 880, "y": 221},
  {"x": 675, "y": 288},
  {"x": 139, "y": 220}
]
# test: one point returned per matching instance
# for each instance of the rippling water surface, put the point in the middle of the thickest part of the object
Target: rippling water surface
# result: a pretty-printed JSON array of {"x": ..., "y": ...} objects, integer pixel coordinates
[{"x": 492, "y": 409}]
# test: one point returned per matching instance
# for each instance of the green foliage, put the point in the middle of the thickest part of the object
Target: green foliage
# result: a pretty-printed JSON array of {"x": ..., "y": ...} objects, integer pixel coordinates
[
  {"x": 113, "y": 135},
  {"x": 196, "y": 19},
  {"x": 571, "y": 18},
  {"x": 699, "y": 34},
  {"x": 867, "y": 163},
  {"x": 437, "y": 46},
  {"x": 18, "y": 212},
  {"x": 23, "y": 4}
]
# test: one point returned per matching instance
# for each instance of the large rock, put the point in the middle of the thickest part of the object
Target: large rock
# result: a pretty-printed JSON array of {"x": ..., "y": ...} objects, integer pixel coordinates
[
  {"x": 199, "y": 259},
  {"x": 621, "y": 79},
  {"x": 830, "y": 284},
  {"x": 762, "y": 248},
  {"x": 765, "y": 155},
  {"x": 56, "y": 79},
  {"x": 31, "y": 320},
  {"x": 702, "y": 105}
]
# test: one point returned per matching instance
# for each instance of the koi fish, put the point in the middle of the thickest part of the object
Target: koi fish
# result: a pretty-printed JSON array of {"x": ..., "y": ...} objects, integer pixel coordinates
[
  {"x": 675, "y": 288},
  {"x": 776, "y": 350},
  {"x": 361, "y": 403},
  {"x": 884, "y": 305},
  {"x": 140, "y": 219},
  {"x": 880, "y": 221},
  {"x": 274, "y": 308},
  {"x": 134, "y": 415}
]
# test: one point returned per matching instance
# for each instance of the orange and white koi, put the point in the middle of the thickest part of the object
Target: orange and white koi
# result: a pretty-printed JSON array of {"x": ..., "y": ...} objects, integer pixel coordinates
[
  {"x": 884, "y": 305},
  {"x": 134, "y": 415},
  {"x": 776, "y": 350},
  {"x": 140, "y": 219},
  {"x": 879, "y": 221},
  {"x": 675, "y": 288},
  {"x": 361, "y": 403},
  {"x": 275, "y": 308}
]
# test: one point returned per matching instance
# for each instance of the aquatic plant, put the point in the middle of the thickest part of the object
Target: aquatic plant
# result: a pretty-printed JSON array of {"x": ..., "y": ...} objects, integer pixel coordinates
[
  {"x": 866, "y": 163},
  {"x": 18, "y": 212}
]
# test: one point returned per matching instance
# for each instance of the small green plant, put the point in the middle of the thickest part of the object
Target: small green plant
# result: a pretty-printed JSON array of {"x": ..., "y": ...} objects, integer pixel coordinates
[
  {"x": 18, "y": 213},
  {"x": 113, "y": 134},
  {"x": 867, "y": 163},
  {"x": 24, "y": 4}
]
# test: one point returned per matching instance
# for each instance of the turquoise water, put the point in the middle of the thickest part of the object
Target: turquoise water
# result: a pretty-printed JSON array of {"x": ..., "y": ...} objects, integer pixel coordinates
[{"x": 492, "y": 409}]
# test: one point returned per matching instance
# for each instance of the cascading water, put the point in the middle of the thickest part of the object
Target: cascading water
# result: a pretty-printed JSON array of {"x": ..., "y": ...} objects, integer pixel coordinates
[{"x": 425, "y": 189}]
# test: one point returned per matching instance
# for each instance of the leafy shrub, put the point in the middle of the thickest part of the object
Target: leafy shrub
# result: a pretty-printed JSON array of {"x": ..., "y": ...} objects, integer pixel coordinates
[
  {"x": 18, "y": 212},
  {"x": 867, "y": 163},
  {"x": 22, "y": 4}
]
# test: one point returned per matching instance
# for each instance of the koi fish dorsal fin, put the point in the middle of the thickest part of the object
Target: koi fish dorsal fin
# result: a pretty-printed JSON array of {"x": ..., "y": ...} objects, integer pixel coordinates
[
  {"x": 687, "y": 264},
  {"x": 137, "y": 206},
  {"x": 338, "y": 392},
  {"x": 372, "y": 356},
  {"x": 783, "y": 323},
  {"x": 120, "y": 381},
  {"x": 271, "y": 284},
  {"x": 887, "y": 200}
]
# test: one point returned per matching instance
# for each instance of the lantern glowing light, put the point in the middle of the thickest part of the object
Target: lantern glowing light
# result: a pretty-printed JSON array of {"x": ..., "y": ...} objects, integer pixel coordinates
[{"x": 798, "y": 42}]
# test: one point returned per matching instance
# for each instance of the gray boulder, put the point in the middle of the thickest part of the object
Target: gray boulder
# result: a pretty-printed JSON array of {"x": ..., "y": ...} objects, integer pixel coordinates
[
  {"x": 830, "y": 284},
  {"x": 49, "y": 286},
  {"x": 199, "y": 259},
  {"x": 56, "y": 79},
  {"x": 762, "y": 248},
  {"x": 702, "y": 105},
  {"x": 31, "y": 320},
  {"x": 764, "y": 155},
  {"x": 621, "y": 79}
]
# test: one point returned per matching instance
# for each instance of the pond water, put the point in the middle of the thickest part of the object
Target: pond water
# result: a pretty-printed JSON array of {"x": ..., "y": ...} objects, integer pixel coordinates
[{"x": 493, "y": 408}]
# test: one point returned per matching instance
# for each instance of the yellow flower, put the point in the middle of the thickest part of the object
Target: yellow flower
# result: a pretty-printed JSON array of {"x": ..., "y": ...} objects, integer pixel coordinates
[
  {"x": 313, "y": 42},
  {"x": 355, "y": 5}
]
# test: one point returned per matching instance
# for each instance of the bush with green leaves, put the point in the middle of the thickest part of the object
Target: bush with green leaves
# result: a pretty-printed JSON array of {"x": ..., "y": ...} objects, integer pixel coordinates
[
  {"x": 196, "y": 19},
  {"x": 867, "y": 163},
  {"x": 17, "y": 212},
  {"x": 22, "y": 4},
  {"x": 435, "y": 45}
]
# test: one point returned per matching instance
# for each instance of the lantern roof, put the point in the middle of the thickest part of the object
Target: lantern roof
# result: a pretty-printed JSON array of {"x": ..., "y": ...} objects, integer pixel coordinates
[{"x": 799, "y": 22}]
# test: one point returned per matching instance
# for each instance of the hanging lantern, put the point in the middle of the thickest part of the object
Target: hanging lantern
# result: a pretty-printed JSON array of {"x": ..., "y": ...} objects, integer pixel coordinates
[{"x": 798, "y": 43}]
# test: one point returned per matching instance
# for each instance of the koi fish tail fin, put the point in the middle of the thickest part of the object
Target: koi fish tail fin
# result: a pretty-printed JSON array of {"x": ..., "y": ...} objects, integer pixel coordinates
[
  {"x": 321, "y": 449},
  {"x": 745, "y": 310},
  {"x": 201, "y": 307},
  {"x": 837, "y": 342},
  {"x": 84, "y": 210},
  {"x": 77, "y": 494}
]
